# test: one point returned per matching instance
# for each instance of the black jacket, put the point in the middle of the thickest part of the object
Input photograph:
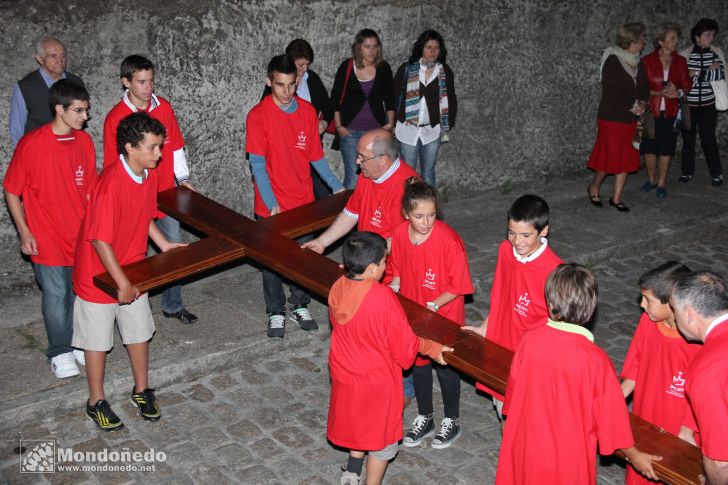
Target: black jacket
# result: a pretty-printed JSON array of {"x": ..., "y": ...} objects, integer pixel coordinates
[
  {"x": 431, "y": 92},
  {"x": 380, "y": 98}
]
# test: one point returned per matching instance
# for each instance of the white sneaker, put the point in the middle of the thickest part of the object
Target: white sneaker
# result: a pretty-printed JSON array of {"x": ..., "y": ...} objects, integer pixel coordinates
[
  {"x": 64, "y": 365},
  {"x": 80, "y": 357}
]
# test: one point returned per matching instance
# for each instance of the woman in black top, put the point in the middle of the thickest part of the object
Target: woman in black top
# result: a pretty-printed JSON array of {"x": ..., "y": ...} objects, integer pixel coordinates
[
  {"x": 363, "y": 98},
  {"x": 424, "y": 89},
  {"x": 310, "y": 88}
]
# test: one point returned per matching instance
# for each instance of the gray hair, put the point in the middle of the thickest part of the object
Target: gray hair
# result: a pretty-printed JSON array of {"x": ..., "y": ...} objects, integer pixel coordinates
[
  {"x": 385, "y": 145},
  {"x": 40, "y": 45},
  {"x": 705, "y": 292}
]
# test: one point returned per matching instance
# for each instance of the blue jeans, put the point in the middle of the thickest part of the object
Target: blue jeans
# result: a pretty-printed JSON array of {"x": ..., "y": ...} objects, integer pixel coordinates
[
  {"x": 408, "y": 383},
  {"x": 57, "y": 304},
  {"x": 347, "y": 147},
  {"x": 171, "y": 296},
  {"x": 427, "y": 157}
]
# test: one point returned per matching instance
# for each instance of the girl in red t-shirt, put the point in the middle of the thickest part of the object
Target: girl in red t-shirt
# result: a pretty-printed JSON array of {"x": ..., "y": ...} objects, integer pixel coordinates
[{"x": 430, "y": 267}]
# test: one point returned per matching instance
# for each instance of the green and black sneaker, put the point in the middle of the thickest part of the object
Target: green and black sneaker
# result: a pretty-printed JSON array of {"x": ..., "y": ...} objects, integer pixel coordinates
[
  {"x": 147, "y": 404},
  {"x": 103, "y": 416}
]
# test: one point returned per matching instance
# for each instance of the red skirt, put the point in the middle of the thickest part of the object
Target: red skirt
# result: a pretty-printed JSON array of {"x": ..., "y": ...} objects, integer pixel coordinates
[{"x": 613, "y": 151}]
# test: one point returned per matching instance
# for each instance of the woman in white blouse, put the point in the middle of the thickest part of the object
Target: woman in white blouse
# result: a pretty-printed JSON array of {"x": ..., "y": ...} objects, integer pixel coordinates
[{"x": 424, "y": 90}]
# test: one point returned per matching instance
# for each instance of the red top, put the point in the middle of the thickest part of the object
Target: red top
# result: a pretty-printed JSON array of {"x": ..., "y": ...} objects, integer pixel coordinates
[
  {"x": 379, "y": 205},
  {"x": 658, "y": 364},
  {"x": 54, "y": 179},
  {"x": 366, "y": 359},
  {"x": 119, "y": 213},
  {"x": 173, "y": 142},
  {"x": 677, "y": 74},
  {"x": 429, "y": 269},
  {"x": 562, "y": 398},
  {"x": 517, "y": 300},
  {"x": 707, "y": 389},
  {"x": 289, "y": 142}
]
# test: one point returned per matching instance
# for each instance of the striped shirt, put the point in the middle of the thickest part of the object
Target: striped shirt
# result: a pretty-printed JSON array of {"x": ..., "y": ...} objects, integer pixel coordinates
[{"x": 701, "y": 93}]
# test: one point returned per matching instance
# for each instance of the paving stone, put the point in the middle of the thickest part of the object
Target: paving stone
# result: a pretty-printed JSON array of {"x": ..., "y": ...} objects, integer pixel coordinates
[
  {"x": 222, "y": 381},
  {"x": 168, "y": 398},
  {"x": 256, "y": 474},
  {"x": 245, "y": 429},
  {"x": 206, "y": 473},
  {"x": 210, "y": 437},
  {"x": 266, "y": 448},
  {"x": 231, "y": 457},
  {"x": 200, "y": 393},
  {"x": 292, "y": 437},
  {"x": 306, "y": 365},
  {"x": 271, "y": 418}
]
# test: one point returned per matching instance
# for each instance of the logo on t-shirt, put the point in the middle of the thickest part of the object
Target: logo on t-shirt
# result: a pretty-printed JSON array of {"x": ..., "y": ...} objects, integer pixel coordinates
[
  {"x": 79, "y": 175},
  {"x": 677, "y": 388},
  {"x": 522, "y": 304},
  {"x": 377, "y": 218},
  {"x": 430, "y": 282},
  {"x": 301, "y": 143}
]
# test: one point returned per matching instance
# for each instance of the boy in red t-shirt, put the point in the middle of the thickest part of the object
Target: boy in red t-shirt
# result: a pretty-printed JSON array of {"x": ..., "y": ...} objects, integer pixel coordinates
[
  {"x": 114, "y": 233},
  {"x": 563, "y": 396},
  {"x": 517, "y": 303},
  {"x": 282, "y": 142},
  {"x": 52, "y": 171},
  {"x": 657, "y": 360},
  {"x": 137, "y": 78},
  {"x": 371, "y": 342}
]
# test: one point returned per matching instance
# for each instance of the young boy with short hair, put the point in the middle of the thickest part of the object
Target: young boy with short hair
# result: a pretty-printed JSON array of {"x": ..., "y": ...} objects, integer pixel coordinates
[
  {"x": 517, "y": 303},
  {"x": 371, "y": 342},
  {"x": 657, "y": 360},
  {"x": 282, "y": 142},
  {"x": 563, "y": 396},
  {"x": 114, "y": 233},
  {"x": 52, "y": 171},
  {"x": 137, "y": 78}
]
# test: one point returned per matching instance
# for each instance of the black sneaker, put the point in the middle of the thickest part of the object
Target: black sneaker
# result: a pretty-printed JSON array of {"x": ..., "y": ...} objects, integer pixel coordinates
[
  {"x": 103, "y": 416},
  {"x": 717, "y": 181},
  {"x": 449, "y": 432},
  {"x": 147, "y": 404},
  {"x": 685, "y": 178},
  {"x": 303, "y": 318},
  {"x": 276, "y": 324},
  {"x": 422, "y": 427}
]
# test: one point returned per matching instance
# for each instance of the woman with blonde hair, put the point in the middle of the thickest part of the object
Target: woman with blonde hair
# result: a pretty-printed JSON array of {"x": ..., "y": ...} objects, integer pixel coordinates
[{"x": 625, "y": 93}]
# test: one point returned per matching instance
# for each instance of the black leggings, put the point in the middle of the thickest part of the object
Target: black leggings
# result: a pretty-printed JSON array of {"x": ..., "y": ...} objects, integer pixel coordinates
[{"x": 449, "y": 383}]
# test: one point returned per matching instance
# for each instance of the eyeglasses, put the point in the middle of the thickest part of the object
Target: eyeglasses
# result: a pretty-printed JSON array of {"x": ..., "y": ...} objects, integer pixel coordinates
[
  {"x": 79, "y": 111},
  {"x": 362, "y": 158}
]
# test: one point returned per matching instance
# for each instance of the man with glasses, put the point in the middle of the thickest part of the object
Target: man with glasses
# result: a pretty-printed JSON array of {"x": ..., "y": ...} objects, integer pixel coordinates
[
  {"x": 29, "y": 108},
  {"x": 376, "y": 204},
  {"x": 52, "y": 171}
]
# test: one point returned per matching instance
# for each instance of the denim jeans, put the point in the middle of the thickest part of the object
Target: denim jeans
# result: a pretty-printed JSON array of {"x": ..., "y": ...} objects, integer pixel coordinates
[
  {"x": 274, "y": 294},
  {"x": 347, "y": 147},
  {"x": 57, "y": 304},
  {"x": 408, "y": 383},
  {"x": 172, "y": 295},
  {"x": 427, "y": 157}
]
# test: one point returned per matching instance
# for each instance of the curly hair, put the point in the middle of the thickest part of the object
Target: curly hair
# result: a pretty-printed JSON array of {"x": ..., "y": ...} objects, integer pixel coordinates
[
  {"x": 132, "y": 129},
  {"x": 299, "y": 48},
  {"x": 419, "y": 45}
]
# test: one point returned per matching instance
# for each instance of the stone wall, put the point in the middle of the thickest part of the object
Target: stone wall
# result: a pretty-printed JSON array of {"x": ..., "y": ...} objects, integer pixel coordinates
[{"x": 526, "y": 72}]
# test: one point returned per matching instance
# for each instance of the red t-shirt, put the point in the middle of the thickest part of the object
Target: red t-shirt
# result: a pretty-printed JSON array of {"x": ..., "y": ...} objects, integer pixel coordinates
[
  {"x": 658, "y": 364},
  {"x": 119, "y": 213},
  {"x": 366, "y": 360},
  {"x": 562, "y": 398},
  {"x": 707, "y": 388},
  {"x": 379, "y": 205},
  {"x": 429, "y": 269},
  {"x": 517, "y": 300},
  {"x": 54, "y": 179},
  {"x": 289, "y": 142},
  {"x": 173, "y": 142}
]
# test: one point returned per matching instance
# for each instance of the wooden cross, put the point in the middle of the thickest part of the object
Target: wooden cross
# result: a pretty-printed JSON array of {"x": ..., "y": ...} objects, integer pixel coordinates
[{"x": 232, "y": 236}]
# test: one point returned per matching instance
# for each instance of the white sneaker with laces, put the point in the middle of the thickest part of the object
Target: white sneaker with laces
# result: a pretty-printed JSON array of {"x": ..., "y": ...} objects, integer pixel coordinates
[
  {"x": 64, "y": 365},
  {"x": 80, "y": 357}
]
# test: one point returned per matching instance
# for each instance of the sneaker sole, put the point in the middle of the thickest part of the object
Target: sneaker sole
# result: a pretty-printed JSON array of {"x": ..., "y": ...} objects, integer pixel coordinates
[
  {"x": 440, "y": 446},
  {"x": 412, "y": 444},
  {"x": 66, "y": 376},
  {"x": 305, "y": 327},
  {"x": 145, "y": 416},
  {"x": 108, "y": 427}
]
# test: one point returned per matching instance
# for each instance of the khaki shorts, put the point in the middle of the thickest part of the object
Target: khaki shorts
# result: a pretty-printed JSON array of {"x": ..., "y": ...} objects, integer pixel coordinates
[
  {"x": 387, "y": 453},
  {"x": 93, "y": 323}
]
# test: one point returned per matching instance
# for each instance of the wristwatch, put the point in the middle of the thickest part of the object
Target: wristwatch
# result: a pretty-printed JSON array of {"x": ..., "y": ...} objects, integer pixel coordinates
[{"x": 433, "y": 306}]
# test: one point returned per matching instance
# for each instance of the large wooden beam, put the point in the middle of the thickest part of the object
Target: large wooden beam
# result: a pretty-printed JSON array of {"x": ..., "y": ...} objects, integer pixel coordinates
[{"x": 267, "y": 242}]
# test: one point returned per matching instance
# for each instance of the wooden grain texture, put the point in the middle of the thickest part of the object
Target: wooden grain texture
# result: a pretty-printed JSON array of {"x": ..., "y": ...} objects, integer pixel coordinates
[
  {"x": 165, "y": 268},
  {"x": 234, "y": 235}
]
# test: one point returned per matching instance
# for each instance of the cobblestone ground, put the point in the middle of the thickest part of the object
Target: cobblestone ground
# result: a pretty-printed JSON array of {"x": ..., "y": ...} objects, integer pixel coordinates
[{"x": 264, "y": 422}]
